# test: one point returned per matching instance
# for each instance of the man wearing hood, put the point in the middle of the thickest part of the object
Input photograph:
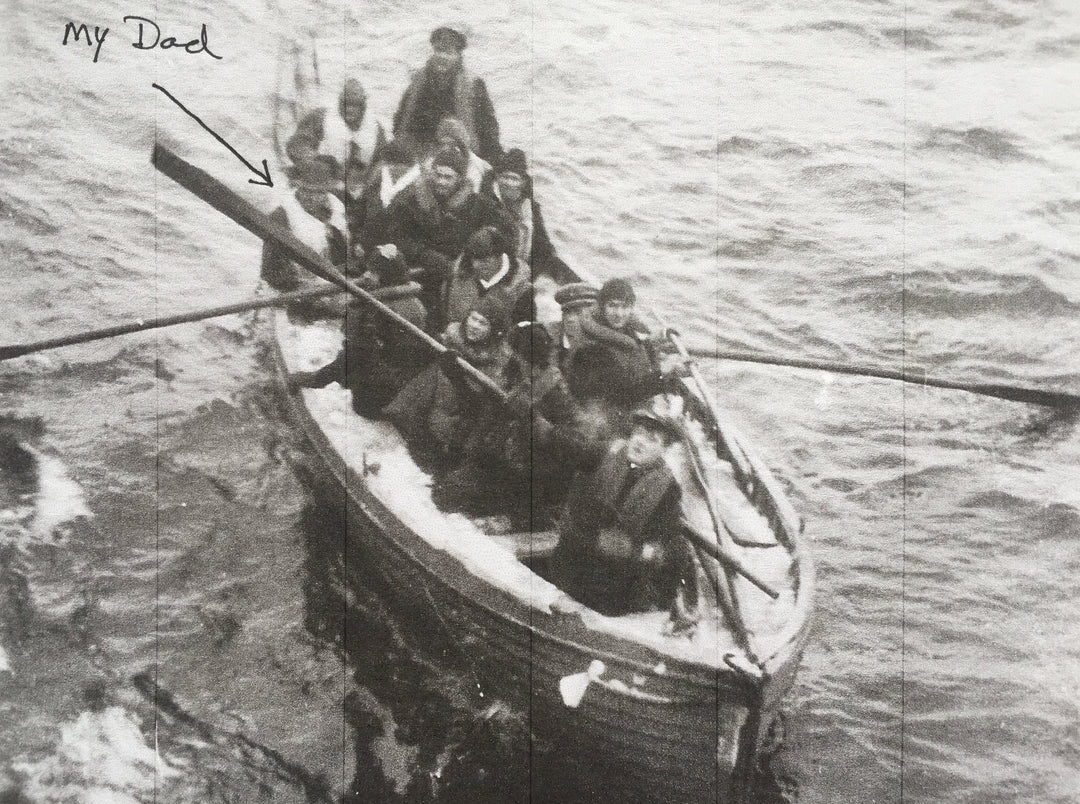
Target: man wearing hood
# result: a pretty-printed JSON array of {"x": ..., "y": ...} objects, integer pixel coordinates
[
  {"x": 444, "y": 88},
  {"x": 347, "y": 138}
]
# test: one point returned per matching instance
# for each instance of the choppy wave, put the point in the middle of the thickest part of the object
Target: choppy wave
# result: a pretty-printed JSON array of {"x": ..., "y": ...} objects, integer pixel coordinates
[{"x": 988, "y": 143}]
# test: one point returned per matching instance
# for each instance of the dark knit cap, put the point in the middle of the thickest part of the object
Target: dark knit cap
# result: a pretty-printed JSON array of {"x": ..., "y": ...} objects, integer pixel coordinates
[
  {"x": 513, "y": 161},
  {"x": 616, "y": 290},
  {"x": 575, "y": 294},
  {"x": 445, "y": 36},
  {"x": 452, "y": 157},
  {"x": 486, "y": 241},
  {"x": 531, "y": 341}
]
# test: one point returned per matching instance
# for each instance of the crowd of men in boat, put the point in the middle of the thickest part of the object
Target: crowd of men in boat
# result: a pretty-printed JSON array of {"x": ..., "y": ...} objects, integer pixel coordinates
[{"x": 439, "y": 219}]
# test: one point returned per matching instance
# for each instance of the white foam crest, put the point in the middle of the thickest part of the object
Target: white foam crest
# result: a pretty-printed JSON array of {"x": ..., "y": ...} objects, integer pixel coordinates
[
  {"x": 101, "y": 757},
  {"x": 59, "y": 498}
]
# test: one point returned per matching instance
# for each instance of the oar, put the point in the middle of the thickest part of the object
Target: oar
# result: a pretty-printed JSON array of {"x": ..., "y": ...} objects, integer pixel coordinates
[
  {"x": 18, "y": 350},
  {"x": 233, "y": 206},
  {"x": 729, "y": 561},
  {"x": 1013, "y": 393}
]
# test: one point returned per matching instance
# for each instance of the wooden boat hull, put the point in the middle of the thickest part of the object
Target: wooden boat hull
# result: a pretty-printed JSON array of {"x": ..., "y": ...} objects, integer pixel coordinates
[{"x": 667, "y": 730}]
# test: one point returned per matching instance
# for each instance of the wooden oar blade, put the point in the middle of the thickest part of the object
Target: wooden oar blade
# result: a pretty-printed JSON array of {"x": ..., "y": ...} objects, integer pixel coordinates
[{"x": 227, "y": 202}]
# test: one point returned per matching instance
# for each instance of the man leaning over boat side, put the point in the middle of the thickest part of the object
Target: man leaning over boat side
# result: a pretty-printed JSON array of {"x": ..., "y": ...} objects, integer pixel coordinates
[
  {"x": 377, "y": 358},
  {"x": 431, "y": 220},
  {"x": 444, "y": 88},
  {"x": 348, "y": 138},
  {"x": 316, "y": 217},
  {"x": 620, "y": 546}
]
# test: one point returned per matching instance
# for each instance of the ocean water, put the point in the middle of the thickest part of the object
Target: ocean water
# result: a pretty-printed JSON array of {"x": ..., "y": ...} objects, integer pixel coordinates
[{"x": 870, "y": 181}]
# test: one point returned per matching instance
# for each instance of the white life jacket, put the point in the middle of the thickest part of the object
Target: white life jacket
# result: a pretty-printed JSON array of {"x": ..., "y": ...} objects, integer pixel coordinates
[
  {"x": 338, "y": 138},
  {"x": 311, "y": 231}
]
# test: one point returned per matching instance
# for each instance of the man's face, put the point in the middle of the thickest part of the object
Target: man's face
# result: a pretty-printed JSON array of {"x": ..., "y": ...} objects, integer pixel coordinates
[
  {"x": 510, "y": 186},
  {"x": 572, "y": 318},
  {"x": 444, "y": 62},
  {"x": 617, "y": 313},
  {"x": 645, "y": 447},
  {"x": 353, "y": 113},
  {"x": 444, "y": 180},
  {"x": 487, "y": 267}
]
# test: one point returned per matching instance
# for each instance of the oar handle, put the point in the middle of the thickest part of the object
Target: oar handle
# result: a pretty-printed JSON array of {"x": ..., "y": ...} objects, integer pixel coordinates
[
  {"x": 233, "y": 206},
  {"x": 913, "y": 375},
  {"x": 282, "y": 300}
]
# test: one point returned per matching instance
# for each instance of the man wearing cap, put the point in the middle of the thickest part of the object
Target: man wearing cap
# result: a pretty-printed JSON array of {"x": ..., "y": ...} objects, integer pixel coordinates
[
  {"x": 444, "y": 88},
  {"x": 431, "y": 220},
  {"x": 485, "y": 268},
  {"x": 348, "y": 139},
  {"x": 620, "y": 548},
  {"x": 612, "y": 331},
  {"x": 512, "y": 190},
  {"x": 316, "y": 217},
  {"x": 576, "y": 301}
]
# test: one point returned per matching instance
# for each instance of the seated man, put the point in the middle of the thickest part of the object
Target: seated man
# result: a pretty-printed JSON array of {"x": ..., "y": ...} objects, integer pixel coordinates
[
  {"x": 502, "y": 468},
  {"x": 444, "y": 88},
  {"x": 346, "y": 137},
  {"x": 451, "y": 131},
  {"x": 620, "y": 549},
  {"x": 576, "y": 301},
  {"x": 435, "y": 411},
  {"x": 316, "y": 218},
  {"x": 512, "y": 188},
  {"x": 485, "y": 268},
  {"x": 377, "y": 359},
  {"x": 611, "y": 331},
  {"x": 369, "y": 220},
  {"x": 431, "y": 220}
]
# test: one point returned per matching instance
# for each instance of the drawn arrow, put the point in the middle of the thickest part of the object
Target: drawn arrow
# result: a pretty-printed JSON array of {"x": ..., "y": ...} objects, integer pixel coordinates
[{"x": 264, "y": 174}]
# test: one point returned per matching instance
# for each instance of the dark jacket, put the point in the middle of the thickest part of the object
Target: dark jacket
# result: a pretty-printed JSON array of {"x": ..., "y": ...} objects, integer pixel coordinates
[
  {"x": 540, "y": 256},
  {"x": 369, "y": 220},
  {"x": 431, "y": 233},
  {"x": 464, "y": 288},
  {"x": 624, "y": 359},
  {"x": 612, "y": 514},
  {"x": 436, "y": 409},
  {"x": 279, "y": 271},
  {"x": 424, "y": 105}
]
